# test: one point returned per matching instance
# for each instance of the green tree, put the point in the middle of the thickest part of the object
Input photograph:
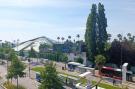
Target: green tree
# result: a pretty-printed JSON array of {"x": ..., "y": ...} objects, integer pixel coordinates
[
  {"x": 120, "y": 37},
  {"x": 78, "y": 36},
  {"x": 90, "y": 34},
  {"x": 21, "y": 53},
  {"x": 100, "y": 61},
  {"x": 69, "y": 37},
  {"x": 44, "y": 48},
  {"x": 16, "y": 68},
  {"x": 32, "y": 53},
  {"x": 102, "y": 33},
  {"x": 58, "y": 38},
  {"x": 64, "y": 59},
  {"x": 50, "y": 79},
  {"x": 79, "y": 60}
]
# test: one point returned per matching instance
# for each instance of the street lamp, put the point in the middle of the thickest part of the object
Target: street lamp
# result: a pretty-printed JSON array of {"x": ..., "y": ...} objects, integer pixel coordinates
[
  {"x": 17, "y": 46},
  {"x": 29, "y": 66}
]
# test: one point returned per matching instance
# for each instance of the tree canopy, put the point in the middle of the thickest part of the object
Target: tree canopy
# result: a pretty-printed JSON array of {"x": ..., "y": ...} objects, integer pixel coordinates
[
  {"x": 96, "y": 35},
  {"x": 90, "y": 34},
  {"x": 16, "y": 68},
  {"x": 50, "y": 79},
  {"x": 32, "y": 53},
  {"x": 122, "y": 49}
]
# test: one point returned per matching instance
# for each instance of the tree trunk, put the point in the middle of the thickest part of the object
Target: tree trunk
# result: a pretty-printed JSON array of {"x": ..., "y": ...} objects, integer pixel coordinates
[
  {"x": 17, "y": 82},
  {"x": 11, "y": 80},
  {"x": 65, "y": 65},
  {"x": 100, "y": 73},
  {"x": 29, "y": 69}
]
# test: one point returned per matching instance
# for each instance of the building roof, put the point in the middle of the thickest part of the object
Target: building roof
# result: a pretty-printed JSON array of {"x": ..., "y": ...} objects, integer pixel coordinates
[
  {"x": 35, "y": 43},
  {"x": 76, "y": 63},
  {"x": 85, "y": 74}
]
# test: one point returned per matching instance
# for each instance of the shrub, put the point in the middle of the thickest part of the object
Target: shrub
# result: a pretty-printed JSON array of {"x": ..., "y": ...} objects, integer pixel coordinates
[{"x": 9, "y": 85}]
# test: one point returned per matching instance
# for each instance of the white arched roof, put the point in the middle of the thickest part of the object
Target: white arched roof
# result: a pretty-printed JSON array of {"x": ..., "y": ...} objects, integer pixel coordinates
[{"x": 35, "y": 43}]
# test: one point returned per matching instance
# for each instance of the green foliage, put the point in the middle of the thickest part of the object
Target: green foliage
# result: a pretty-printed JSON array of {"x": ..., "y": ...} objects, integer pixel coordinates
[
  {"x": 100, "y": 60},
  {"x": 64, "y": 58},
  {"x": 4, "y": 51},
  {"x": 102, "y": 36},
  {"x": 6, "y": 45},
  {"x": 90, "y": 34},
  {"x": 8, "y": 85},
  {"x": 21, "y": 53},
  {"x": 16, "y": 68},
  {"x": 122, "y": 48},
  {"x": 32, "y": 53},
  {"x": 106, "y": 86},
  {"x": 55, "y": 56},
  {"x": 50, "y": 79},
  {"x": 79, "y": 60},
  {"x": 44, "y": 47},
  {"x": 38, "y": 69},
  {"x": 96, "y": 35},
  {"x": 12, "y": 56}
]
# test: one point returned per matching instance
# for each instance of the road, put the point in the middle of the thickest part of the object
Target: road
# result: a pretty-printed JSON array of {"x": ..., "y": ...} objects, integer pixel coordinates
[{"x": 30, "y": 83}]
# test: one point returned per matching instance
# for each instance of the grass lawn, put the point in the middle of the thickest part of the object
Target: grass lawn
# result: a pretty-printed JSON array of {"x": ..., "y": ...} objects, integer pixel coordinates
[
  {"x": 103, "y": 85},
  {"x": 38, "y": 69},
  {"x": 9, "y": 85},
  {"x": 106, "y": 86}
]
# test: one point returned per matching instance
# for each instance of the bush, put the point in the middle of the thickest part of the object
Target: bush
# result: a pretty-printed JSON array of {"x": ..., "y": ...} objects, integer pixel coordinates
[
  {"x": 9, "y": 85},
  {"x": 79, "y": 60}
]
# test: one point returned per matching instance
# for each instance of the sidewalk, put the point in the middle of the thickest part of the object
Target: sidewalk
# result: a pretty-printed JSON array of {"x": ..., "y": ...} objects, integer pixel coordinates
[{"x": 28, "y": 82}]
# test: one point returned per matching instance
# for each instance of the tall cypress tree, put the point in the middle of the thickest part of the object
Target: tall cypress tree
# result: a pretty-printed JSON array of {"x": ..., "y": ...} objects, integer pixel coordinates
[
  {"x": 90, "y": 34},
  {"x": 102, "y": 33}
]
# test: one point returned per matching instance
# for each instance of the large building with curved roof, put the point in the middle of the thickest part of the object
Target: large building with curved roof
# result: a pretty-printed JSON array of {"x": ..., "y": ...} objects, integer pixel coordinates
[{"x": 35, "y": 43}]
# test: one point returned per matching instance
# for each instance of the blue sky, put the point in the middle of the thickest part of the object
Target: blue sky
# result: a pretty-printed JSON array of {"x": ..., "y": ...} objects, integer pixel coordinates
[{"x": 26, "y": 19}]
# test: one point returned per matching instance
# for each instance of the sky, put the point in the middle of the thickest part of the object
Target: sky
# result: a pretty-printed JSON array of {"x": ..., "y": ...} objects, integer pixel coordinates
[{"x": 27, "y": 19}]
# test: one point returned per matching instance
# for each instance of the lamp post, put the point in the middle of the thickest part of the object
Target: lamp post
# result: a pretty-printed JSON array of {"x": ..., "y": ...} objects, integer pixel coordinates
[
  {"x": 29, "y": 66},
  {"x": 17, "y": 46},
  {"x": 6, "y": 56}
]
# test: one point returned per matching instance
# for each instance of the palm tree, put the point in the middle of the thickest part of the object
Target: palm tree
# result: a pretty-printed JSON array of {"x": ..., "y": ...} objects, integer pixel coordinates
[
  {"x": 74, "y": 40},
  {"x": 78, "y": 36},
  {"x": 133, "y": 38},
  {"x": 69, "y": 37},
  {"x": 62, "y": 39},
  {"x": 120, "y": 37},
  {"x": 109, "y": 37},
  {"x": 129, "y": 34},
  {"x": 58, "y": 38}
]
